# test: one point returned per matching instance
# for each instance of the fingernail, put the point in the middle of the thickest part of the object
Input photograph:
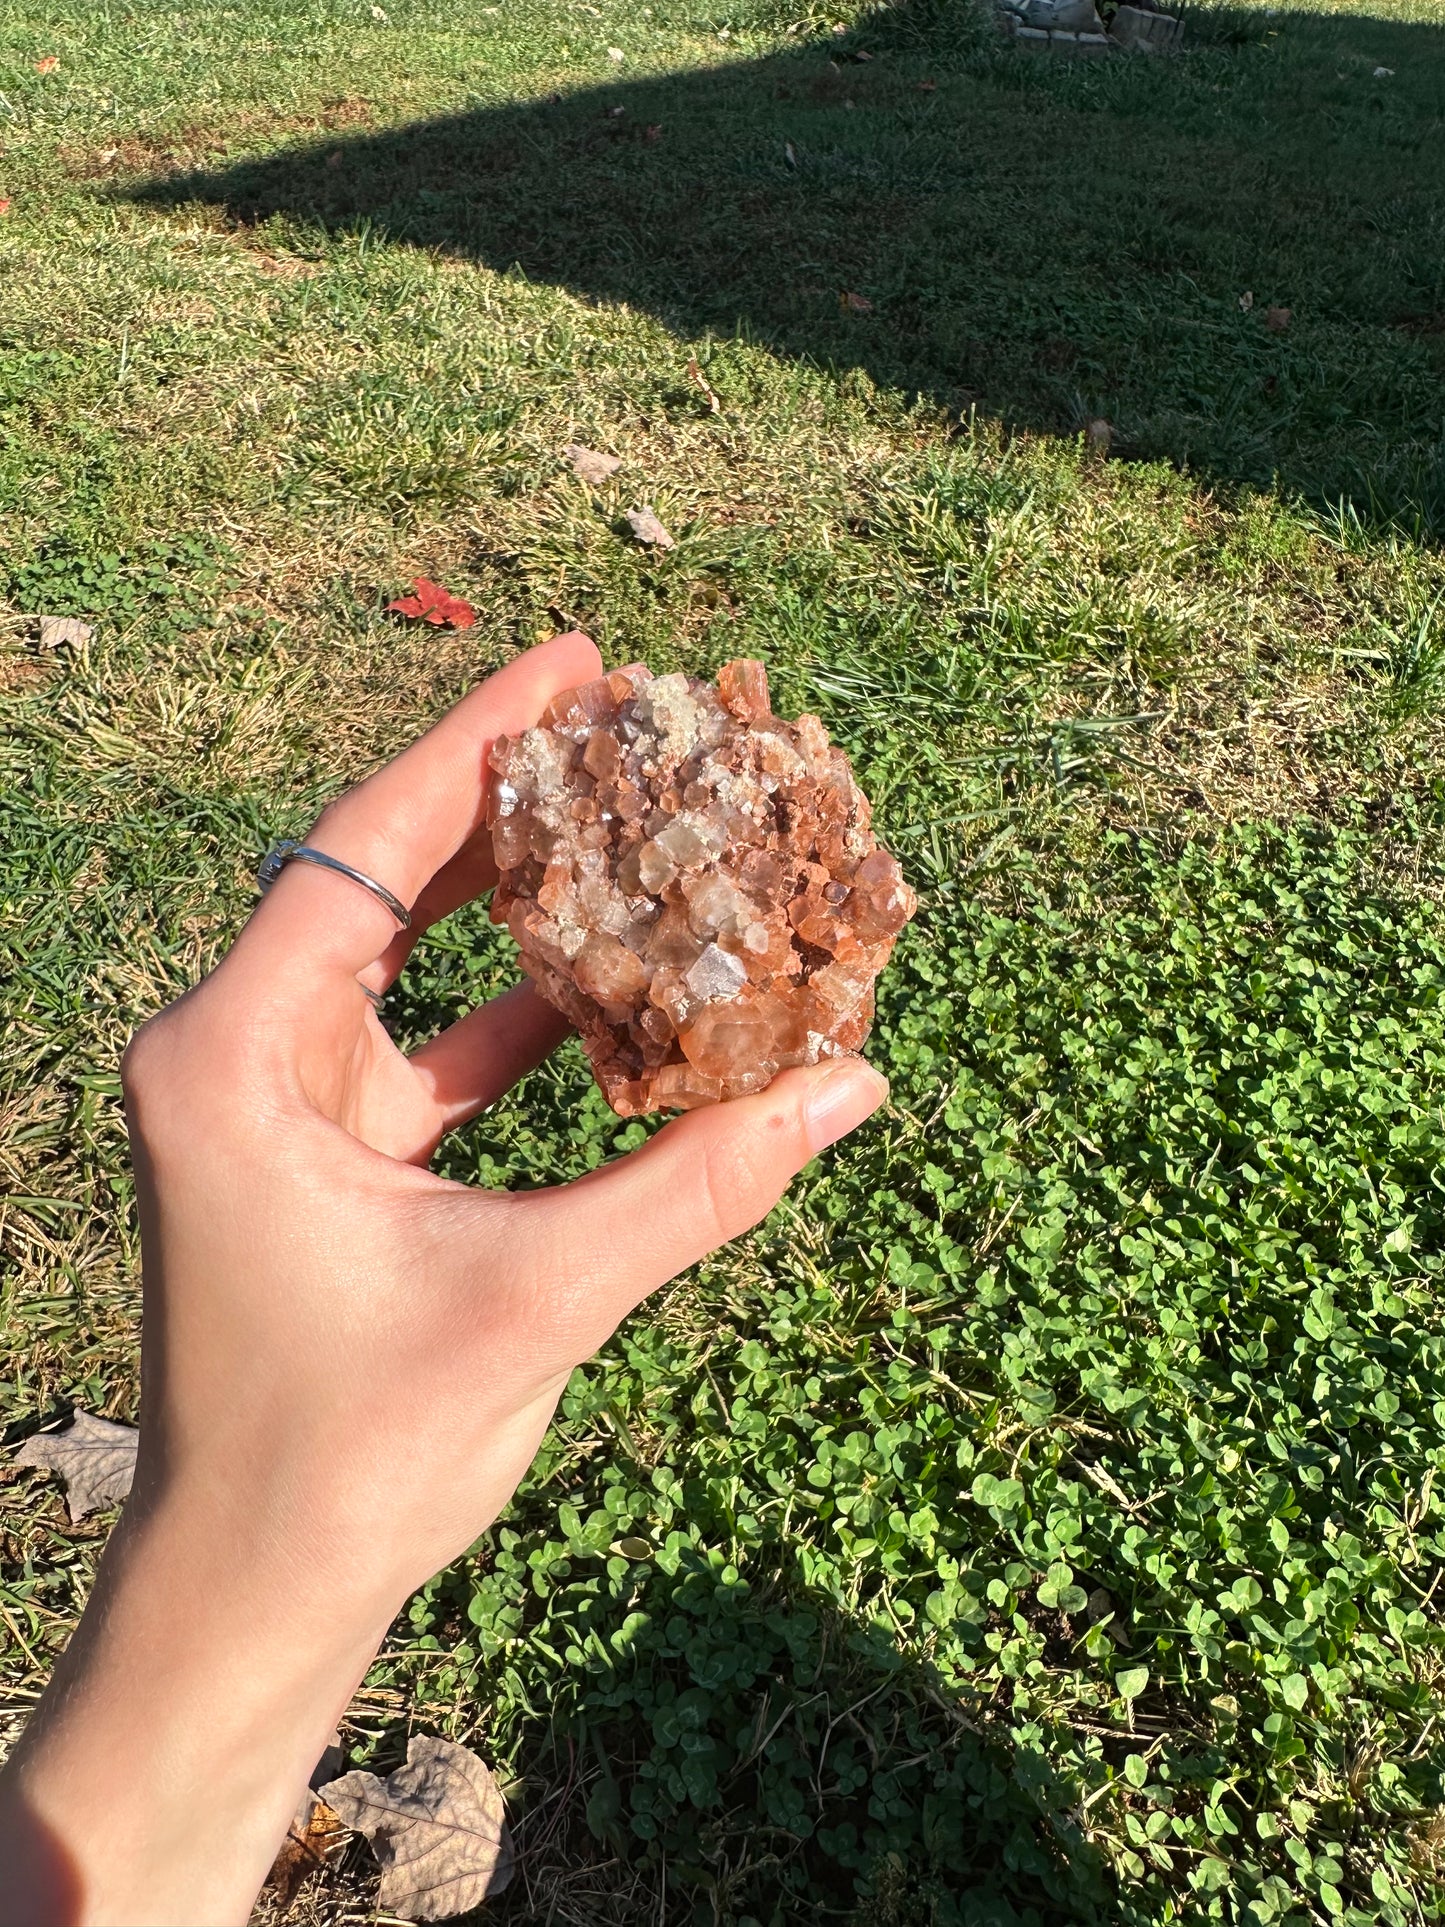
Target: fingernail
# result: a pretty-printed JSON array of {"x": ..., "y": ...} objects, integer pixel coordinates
[{"x": 841, "y": 1101}]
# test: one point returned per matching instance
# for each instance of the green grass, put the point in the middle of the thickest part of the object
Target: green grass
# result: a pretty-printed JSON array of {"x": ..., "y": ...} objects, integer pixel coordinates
[{"x": 1041, "y": 1505}]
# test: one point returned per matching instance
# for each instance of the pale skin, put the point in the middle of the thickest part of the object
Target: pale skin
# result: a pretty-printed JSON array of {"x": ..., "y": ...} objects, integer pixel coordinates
[{"x": 348, "y": 1362}]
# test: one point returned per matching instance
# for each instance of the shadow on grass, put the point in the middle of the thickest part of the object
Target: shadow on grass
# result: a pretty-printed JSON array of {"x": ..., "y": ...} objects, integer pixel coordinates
[
  {"x": 1046, "y": 242},
  {"x": 723, "y": 1745}
]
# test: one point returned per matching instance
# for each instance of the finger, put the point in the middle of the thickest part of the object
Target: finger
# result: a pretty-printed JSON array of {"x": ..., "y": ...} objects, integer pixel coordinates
[
  {"x": 702, "y": 1180},
  {"x": 470, "y": 1065},
  {"x": 469, "y": 875},
  {"x": 406, "y": 822}
]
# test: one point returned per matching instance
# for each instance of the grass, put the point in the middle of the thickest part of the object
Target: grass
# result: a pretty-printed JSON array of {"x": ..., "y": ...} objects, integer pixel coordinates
[{"x": 1040, "y": 1507}]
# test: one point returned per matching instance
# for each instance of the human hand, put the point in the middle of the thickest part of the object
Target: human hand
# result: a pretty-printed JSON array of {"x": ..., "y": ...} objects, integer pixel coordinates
[{"x": 348, "y": 1361}]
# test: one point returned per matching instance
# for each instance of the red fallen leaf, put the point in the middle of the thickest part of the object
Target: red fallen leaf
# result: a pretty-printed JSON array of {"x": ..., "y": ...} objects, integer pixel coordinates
[
  {"x": 652, "y": 131},
  {"x": 1277, "y": 319},
  {"x": 48, "y": 65},
  {"x": 855, "y": 304},
  {"x": 928, "y": 86},
  {"x": 4, "y": 207},
  {"x": 432, "y": 603}
]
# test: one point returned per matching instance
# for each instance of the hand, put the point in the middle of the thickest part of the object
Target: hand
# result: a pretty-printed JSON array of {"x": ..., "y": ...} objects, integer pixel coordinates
[{"x": 348, "y": 1362}]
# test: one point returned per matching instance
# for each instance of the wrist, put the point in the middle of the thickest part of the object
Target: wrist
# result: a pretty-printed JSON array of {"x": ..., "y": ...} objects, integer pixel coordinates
[{"x": 188, "y": 1712}]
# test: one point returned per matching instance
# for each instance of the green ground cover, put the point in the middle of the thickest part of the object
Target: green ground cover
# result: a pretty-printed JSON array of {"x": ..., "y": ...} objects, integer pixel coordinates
[{"x": 1035, "y": 1520}]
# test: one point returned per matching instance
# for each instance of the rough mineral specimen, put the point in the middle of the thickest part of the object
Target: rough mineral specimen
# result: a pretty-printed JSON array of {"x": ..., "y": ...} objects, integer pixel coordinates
[{"x": 693, "y": 882}]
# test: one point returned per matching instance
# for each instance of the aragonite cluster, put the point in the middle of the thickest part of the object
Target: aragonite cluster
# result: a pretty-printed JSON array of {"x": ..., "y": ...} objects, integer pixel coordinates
[{"x": 693, "y": 882}]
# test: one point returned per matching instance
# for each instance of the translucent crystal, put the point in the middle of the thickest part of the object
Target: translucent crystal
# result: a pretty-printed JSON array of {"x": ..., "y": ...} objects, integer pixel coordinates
[{"x": 693, "y": 882}]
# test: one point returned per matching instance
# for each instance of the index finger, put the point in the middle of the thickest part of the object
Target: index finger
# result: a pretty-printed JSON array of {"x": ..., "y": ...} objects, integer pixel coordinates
[{"x": 404, "y": 824}]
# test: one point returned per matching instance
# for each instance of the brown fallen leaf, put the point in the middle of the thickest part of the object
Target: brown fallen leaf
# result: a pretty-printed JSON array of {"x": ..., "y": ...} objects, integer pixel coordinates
[
  {"x": 313, "y": 1836},
  {"x": 1098, "y": 435},
  {"x": 47, "y": 64},
  {"x": 590, "y": 464},
  {"x": 94, "y": 1457},
  {"x": 648, "y": 529},
  {"x": 694, "y": 373},
  {"x": 64, "y": 632},
  {"x": 652, "y": 131},
  {"x": 436, "y": 1825},
  {"x": 855, "y": 304},
  {"x": 928, "y": 86},
  {"x": 1277, "y": 319},
  {"x": 1246, "y": 301}
]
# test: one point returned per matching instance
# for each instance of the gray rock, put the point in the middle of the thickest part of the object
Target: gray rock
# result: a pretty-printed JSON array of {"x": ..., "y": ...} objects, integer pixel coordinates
[
  {"x": 1146, "y": 33},
  {"x": 1063, "y": 16}
]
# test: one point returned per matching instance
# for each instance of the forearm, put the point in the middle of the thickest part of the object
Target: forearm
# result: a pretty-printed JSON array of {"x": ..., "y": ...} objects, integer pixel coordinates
[{"x": 161, "y": 1769}]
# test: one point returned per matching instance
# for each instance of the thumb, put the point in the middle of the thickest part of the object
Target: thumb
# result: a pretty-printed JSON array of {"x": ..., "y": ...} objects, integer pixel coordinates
[{"x": 705, "y": 1178}]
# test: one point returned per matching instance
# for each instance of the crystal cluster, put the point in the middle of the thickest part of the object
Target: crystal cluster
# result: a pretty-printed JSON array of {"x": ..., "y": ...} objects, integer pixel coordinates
[{"x": 693, "y": 882}]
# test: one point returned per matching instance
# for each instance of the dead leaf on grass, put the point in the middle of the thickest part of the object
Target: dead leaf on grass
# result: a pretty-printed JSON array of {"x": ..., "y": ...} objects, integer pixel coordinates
[
  {"x": 64, "y": 632},
  {"x": 1098, "y": 435},
  {"x": 4, "y": 205},
  {"x": 47, "y": 64},
  {"x": 928, "y": 86},
  {"x": 1246, "y": 301},
  {"x": 287, "y": 267},
  {"x": 590, "y": 464},
  {"x": 94, "y": 1457},
  {"x": 313, "y": 1836},
  {"x": 1278, "y": 319},
  {"x": 434, "y": 604},
  {"x": 648, "y": 529},
  {"x": 855, "y": 303},
  {"x": 437, "y": 1826},
  {"x": 694, "y": 373}
]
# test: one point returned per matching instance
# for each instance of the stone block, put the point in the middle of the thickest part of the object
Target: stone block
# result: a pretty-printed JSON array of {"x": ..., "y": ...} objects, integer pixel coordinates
[
  {"x": 1032, "y": 39},
  {"x": 1062, "y": 16},
  {"x": 1146, "y": 33}
]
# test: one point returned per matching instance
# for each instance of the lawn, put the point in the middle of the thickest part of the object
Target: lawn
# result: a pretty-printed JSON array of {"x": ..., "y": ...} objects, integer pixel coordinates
[{"x": 1035, "y": 1521}]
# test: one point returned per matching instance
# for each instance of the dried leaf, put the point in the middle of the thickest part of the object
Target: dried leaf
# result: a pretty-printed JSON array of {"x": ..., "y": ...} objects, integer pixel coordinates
[
  {"x": 616, "y": 55},
  {"x": 928, "y": 86},
  {"x": 1098, "y": 435},
  {"x": 789, "y": 154},
  {"x": 694, "y": 373},
  {"x": 94, "y": 1457},
  {"x": 432, "y": 603},
  {"x": 645, "y": 526},
  {"x": 631, "y": 1548},
  {"x": 48, "y": 64},
  {"x": 1246, "y": 301},
  {"x": 64, "y": 632},
  {"x": 313, "y": 1835},
  {"x": 4, "y": 205},
  {"x": 437, "y": 1826},
  {"x": 855, "y": 304},
  {"x": 1277, "y": 319},
  {"x": 652, "y": 131},
  {"x": 590, "y": 464}
]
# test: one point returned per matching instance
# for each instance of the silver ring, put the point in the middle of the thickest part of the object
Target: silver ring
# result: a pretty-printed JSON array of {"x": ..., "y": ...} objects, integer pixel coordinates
[{"x": 287, "y": 851}]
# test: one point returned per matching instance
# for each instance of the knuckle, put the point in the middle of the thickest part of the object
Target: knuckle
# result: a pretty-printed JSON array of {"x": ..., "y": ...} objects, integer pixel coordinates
[{"x": 166, "y": 1072}]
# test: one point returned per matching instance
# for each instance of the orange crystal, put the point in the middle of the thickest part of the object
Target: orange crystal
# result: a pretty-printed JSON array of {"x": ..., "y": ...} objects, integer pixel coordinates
[{"x": 693, "y": 882}]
